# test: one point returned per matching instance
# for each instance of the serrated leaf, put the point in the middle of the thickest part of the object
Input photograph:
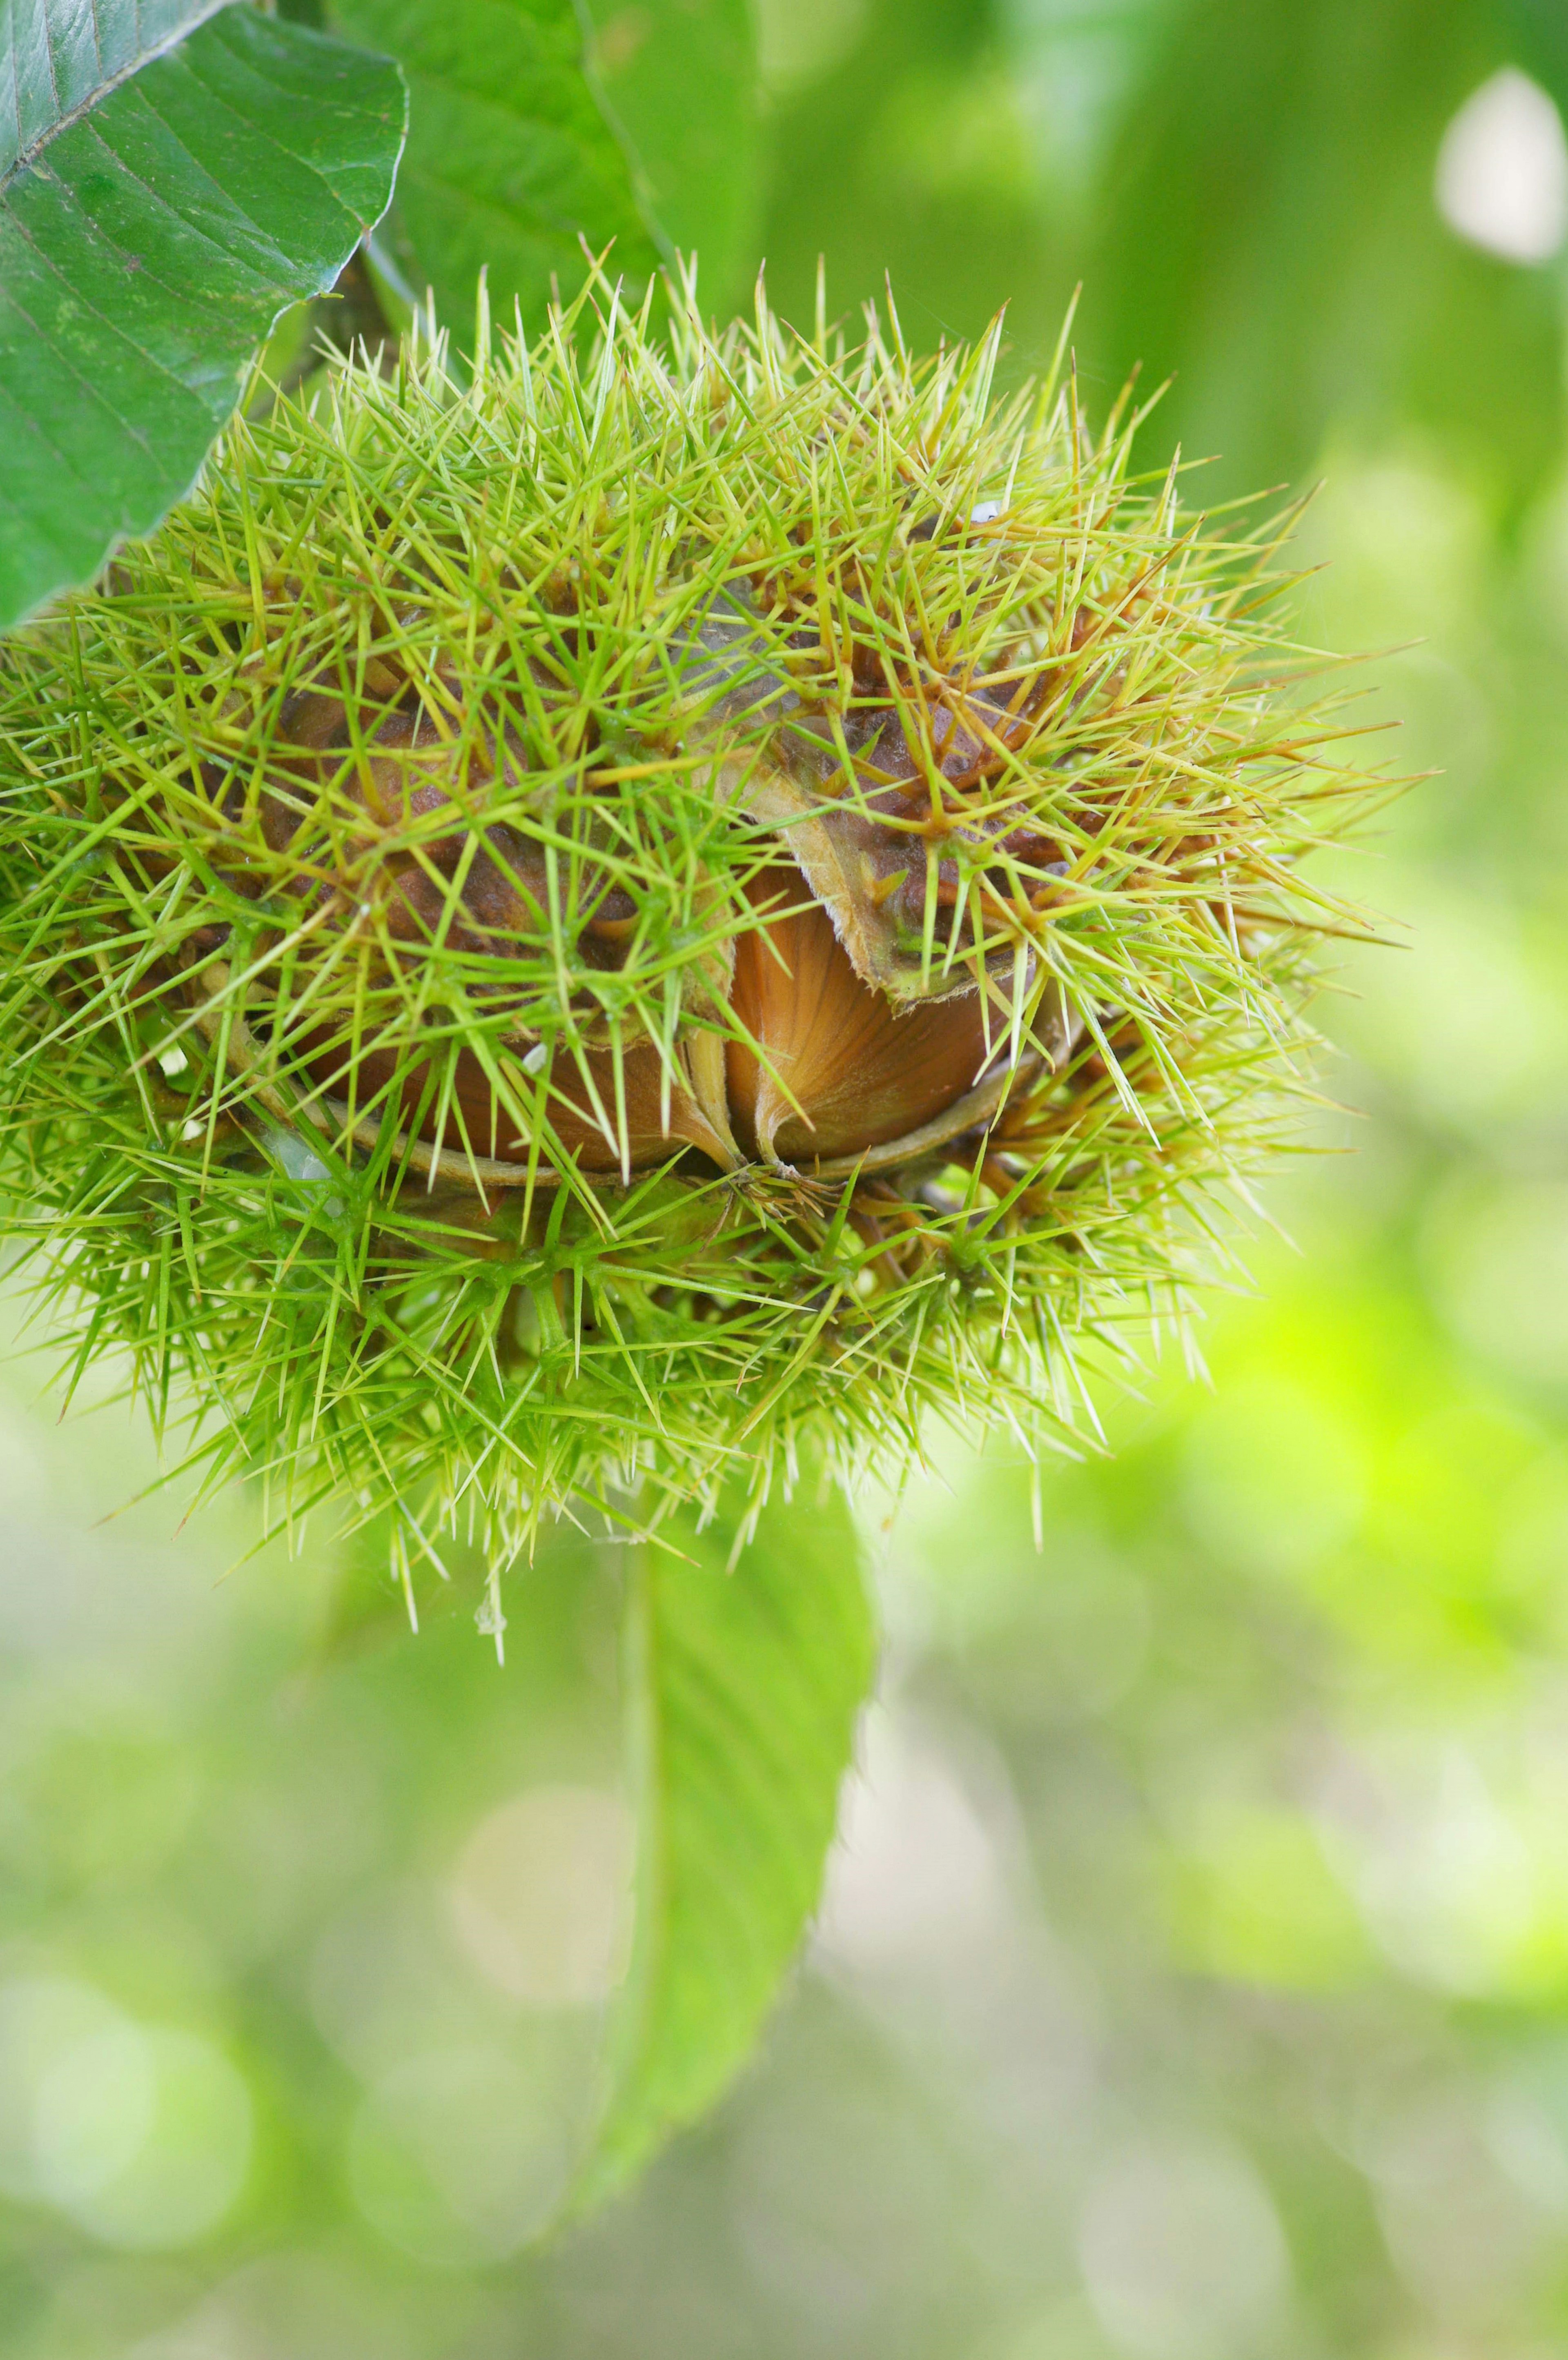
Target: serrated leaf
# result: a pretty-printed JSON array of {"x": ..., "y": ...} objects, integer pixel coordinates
[
  {"x": 678, "y": 80},
  {"x": 742, "y": 1689},
  {"x": 58, "y": 58},
  {"x": 510, "y": 162},
  {"x": 153, "y": 225}
]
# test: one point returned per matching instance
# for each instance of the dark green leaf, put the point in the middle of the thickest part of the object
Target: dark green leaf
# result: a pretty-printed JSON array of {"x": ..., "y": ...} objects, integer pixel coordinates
[
  {"x": 913, "y": 163},
  {"x": 516, "y": 155},
  {"x": 1270, "y": 236},
  {"x": 678, "y": 79},
  {"x": 57, "y": 61},
  {"x": 1540, "y": 29},
  {"x": 744, "y": 1690},
  {"x": 510, "y": 162},
  {"x": 147, "y": 244}
]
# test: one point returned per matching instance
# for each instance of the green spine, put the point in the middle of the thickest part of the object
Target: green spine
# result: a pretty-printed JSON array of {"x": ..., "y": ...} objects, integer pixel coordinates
[{"x": 632, "y": 592}]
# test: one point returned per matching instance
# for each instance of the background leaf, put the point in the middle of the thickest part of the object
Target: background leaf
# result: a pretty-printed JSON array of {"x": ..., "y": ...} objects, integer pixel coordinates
[
  {"x": 147, "y": 244},
  {"x": 1539, "y": 31},
  {"x": 914, "y": 160},
  {"x": 510, "y": 162},
  {"x": 742, "y": 1689},
  {"x": 1267, "y": 233},
  {"x": 677, "y": 79},
  {"x": 515, "y": 155}
]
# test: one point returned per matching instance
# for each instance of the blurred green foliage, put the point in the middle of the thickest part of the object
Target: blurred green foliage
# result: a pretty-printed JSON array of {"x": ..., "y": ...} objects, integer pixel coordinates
[
  {"x": 508, "y": 152},
  {"x": 1193, "y": 1979}
]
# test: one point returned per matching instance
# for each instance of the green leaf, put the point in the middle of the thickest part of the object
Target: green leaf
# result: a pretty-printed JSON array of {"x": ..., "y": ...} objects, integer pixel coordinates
[
  {"x": 742, "y": 1689},
  {"x": 1268, "y": 236},
  {"x": 516, "y": 155},
  {"x": 677, "y": 81},
  {"x": 160, "y": 207},
  {"x": 1540, "y": 30},
  {"x": 57, "y": 61},
  {"x": 510, "y": 162}
]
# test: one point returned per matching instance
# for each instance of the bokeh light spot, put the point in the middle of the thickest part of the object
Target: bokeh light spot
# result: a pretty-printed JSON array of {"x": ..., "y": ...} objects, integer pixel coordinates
[
  {"x": 92, "y": 2114},
  {"x": 142, "y": 2134},
  {"x": 542, "y": 1895},
  {"x": 1500, "y": 1261},
  {"x": 454, "y": 2159},
  {"x": 1502, "y": 171},
  {"x": 1274, "y": 1478},
  {"x": 45, "y": 2020},
  {"x": 191, "y": 2161},
  {"x": 1182, "y": 2254}
]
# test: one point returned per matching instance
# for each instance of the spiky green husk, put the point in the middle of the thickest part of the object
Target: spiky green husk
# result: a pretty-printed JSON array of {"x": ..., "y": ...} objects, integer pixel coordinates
[{"x": 638, "y": 588}]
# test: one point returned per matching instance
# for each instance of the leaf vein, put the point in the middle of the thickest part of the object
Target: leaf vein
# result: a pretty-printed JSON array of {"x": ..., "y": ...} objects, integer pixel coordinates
[{"x": 27, "y": 157}]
